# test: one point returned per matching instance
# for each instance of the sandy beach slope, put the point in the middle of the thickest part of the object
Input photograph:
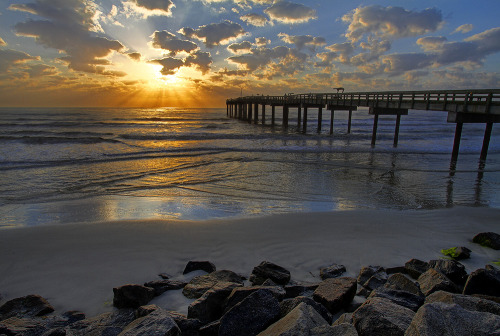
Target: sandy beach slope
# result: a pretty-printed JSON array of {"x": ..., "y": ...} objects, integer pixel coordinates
[{"x": 76, "y": 266}]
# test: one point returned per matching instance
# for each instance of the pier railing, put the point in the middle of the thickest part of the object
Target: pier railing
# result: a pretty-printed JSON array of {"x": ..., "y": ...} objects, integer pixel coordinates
[{"x": 462, "y": 101}]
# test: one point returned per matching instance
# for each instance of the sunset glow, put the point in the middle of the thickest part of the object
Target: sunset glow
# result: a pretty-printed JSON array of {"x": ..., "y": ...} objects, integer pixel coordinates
[{"x": 197, "y": 53}]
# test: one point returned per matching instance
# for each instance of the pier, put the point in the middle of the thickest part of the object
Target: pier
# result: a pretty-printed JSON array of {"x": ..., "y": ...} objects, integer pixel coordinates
[{"x": 462, "y": 106}]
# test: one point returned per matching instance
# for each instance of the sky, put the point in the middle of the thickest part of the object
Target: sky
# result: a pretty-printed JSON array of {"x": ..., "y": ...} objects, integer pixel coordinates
[{"x": 198, "y": 53}]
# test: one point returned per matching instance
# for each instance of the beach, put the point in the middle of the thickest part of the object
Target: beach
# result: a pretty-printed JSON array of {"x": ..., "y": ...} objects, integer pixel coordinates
[{"x": 75, "y": 267}]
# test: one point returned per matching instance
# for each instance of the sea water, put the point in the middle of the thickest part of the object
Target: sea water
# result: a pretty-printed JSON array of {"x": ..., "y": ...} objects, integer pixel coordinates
[{"x": 67, "y": 165}]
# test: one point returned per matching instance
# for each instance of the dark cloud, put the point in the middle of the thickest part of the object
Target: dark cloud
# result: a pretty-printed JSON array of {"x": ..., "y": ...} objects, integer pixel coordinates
[
  {"x": 255, "y": 19},
  {"x": 216, "y": 33},
  {"x": 289, "y": 12},
  {"x": 390, "y": 22},
  {"x": 168, "y": 41},
  {"x": 70, "y": 28},
  {"x": 152, "y": 7},
  {"x": 200, "y": 60},
  {"x": 301, "y": 41},
  {"x": 398, "y": 63},
  {"x": 343, "y": 50},
  {"x": 8, "y": 58},
  {"x": 261, "y": 41},
  {"x": 327, "y": 59},
  {"x": 170, "y": 65},
  {"x": 135, "y": 56},
  {"x": 40, "y": 70},
  {"x": 240, "y": 47}
]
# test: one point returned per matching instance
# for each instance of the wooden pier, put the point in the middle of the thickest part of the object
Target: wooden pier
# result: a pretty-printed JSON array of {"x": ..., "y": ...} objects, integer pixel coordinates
[{"x": 463, "y": 106}]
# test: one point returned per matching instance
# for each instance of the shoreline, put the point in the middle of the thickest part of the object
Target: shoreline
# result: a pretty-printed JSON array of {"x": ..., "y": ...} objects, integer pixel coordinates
[{"x": 75, "y": 266}]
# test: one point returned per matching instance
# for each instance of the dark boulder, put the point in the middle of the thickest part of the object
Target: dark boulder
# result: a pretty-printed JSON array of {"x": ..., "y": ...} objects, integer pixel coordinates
[
  {"x": 333, "y": 271},
  {"x": 210, "y": 306},
  {"x": 157, "y": 323},
  {"x": 457, "y": 253},
  {"x": 27, "y": 326},
  {"x": 432, "y": 281},
  {"x": 252, "y": 315},
  {"x": 107, "y": 324},
  {"x": 335, "y": 293},
  {"x": 26, "y": 306},
  {"x": 399, "y": 297},
  {"x": 200, "y": 284},
  {"x": 367, "y": 272},
  {"x": 381, "y": 317},
  {"x": 267, "y": 270},
  {"x": 399, "y": 281},
  {"x": 485, "y": 281},
  {"x": 454, "y": 270},
  {"x": 161, "y": 286},
  {"x": 206, "y": 266},
  {"x": 132, "y": 296},
  {"x": 450, "y": 319},
  {"x": 288, "y": 305},
  {"x": 465, "y": 301},
  {"x": 239, "y": 294},
  {"x": 300, "y": 290},
  {"x": 375, "y": 281},
  {"x": 300, "y": 322},
  {"x": 416, "y": 268},
  {"x": 188, "y": 326},
  {"x": 488, "y": 239},
  {"x": 211, "y": 329}
]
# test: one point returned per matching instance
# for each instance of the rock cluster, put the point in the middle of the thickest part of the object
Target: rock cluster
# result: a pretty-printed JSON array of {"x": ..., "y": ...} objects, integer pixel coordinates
[{"x": 437, "y": 297}]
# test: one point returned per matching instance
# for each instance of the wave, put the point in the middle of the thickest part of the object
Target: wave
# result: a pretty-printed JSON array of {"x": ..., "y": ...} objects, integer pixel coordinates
[{"x": 51, "y": 140}]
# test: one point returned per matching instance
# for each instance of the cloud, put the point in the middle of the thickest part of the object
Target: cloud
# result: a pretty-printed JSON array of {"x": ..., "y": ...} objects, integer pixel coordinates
[
  {"x": 465, "y": 28},
  {"x": 327, "y": 59},
  {"x": 254, "y": 19},
  {"x": 148, "y": 8},
  {"x": 70, "y": 28},
  {"x": 168, "y": 41},
  {"x": 289, "y": 12},
  {"x": 301, "y": 41},
  {"x": 216, "y": 33},
  {"x": 262, "y": 41},
  {"x": 200, "y": 60},
  {"x": 40, "y": 70},
  {"x": 431, "y": 43},
  {"x": 237, "y": 48},
  {"x": 390, "y": 22},
  {"x": 135, "y": 56},
  {"x": 343, "y": 50},
  {"x": 398, "y": 63},
  {"x": 169, "y": 64},
  {"x": 2, "y": 42},
  {"x": 8, "y": 58}
]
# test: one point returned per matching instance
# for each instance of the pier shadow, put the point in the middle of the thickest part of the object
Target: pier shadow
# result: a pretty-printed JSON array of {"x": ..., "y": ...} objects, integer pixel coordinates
[{"x": 478, "y": 185}]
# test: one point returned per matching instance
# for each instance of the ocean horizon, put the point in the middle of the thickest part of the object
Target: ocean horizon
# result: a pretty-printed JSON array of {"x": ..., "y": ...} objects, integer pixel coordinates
[{"x": 71, "y": 165}]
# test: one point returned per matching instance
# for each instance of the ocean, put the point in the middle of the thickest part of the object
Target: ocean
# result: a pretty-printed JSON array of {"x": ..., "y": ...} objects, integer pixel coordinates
[{"x": 72, "y": 165}]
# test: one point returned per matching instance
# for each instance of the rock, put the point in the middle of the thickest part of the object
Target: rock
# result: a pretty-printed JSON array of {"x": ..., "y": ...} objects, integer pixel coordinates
[
  {"x": 333, "y": 271},
  {"x": 161, "y": 286},
  {"x": 343, "y": 329},
  {"x": 457, "y": 253},
  {"x": 206, "y": 266},
  {"x": 299, "y": 290},
  {"x": 211, "y": 329},
  {"x": 132, "y": 296},
  {"x": 375, "y": 281},
  {"x": 22, "y": 326},
  {"x": 240, "y": 293},
  {"x": 269, "y": 283},
  {"x": 343, "y": 319},
  {"x": 164, "y": 276},
  {"x": 210, "y": 306},
  {"x": 450, "y": 319},
  {"x": 485, "y": 281},
  {"x": 399, "y": 297},
  {"x": 288, "y": 305},
  {"x": 488, "y": 239},
  {"x": 432, "y": 281},
  {"x": 367, "y": 272},
  {"x": 454, "y": 270},
  {"x": 300, "y": 321},
  {"x": 200, "y": 284},
  {"x": 145, "y": 310},
  {"x": 26, "y": 306},
  {"x": 382, "y": 317},
  {"x": 335, "y": 293},
  {"x": 157, "y": 323},
  {"x": 399, "y": 281},
  {"x": 267, "y": 270},
  {"x": 416, "y": 268},
  {"x": 395, "y": 269},
  {"x": 252, "y": 315},
  {"x": 465, "y": 301},
  {"x": 188, "y": 326},
  {"x": 107, "y": 324}
]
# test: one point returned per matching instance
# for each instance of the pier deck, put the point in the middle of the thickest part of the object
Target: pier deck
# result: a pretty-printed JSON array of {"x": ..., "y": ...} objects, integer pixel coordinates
[{"x": 463, "y": 106}]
